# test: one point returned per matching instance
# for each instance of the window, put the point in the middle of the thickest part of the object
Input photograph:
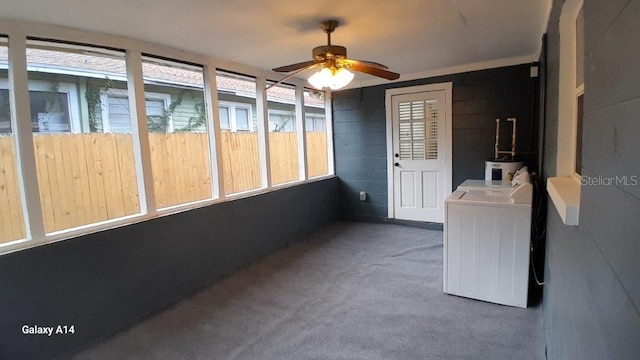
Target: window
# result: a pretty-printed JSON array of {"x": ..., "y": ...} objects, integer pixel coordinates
[
  {"x": 316, "y": 133},
  {"x": 282, "y": 121},
  {"x": 5, "y": 112},
  {"x": 11, "y": 217},
  {"x": 313, "y": 121},
  {"x": 52, "y": 110},
  {"x": 235, "y": 116},
  {"x": 242, "y": 119},
  {"x": 84, "y": 170},
  {"x": 283, "y": 139},
  {"x": 239, "y": 150},
  {"x": 225, "y": 123},
  {"x": 178, "y": 134},
  {"x": 116, "y": 115},
  {"x": 85, "y": 175}
]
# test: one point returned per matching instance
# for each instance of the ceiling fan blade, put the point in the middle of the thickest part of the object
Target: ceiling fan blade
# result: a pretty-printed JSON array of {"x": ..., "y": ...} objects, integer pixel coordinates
[
  {"x": 375, "y": 71},
  {"x": 313, "y": 64},
  {"x": 349, "y": 62},
  {"x": 294, "y": 67}
]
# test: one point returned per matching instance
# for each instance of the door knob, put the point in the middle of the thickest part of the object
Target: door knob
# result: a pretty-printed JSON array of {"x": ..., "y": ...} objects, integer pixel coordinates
[{"x": 396, "y": 164}]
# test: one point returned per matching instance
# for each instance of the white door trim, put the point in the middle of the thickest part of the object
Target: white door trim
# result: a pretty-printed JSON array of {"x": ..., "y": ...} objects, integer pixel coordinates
[{"x": 447, "y": 87}]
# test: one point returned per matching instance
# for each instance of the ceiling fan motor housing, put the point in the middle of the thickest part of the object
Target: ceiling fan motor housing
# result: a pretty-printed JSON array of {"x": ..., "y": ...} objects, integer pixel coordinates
[{"x": 329, "y": 52}]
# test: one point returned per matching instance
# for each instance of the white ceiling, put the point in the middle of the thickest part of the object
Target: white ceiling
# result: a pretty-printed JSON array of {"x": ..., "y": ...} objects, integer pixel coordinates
[{"x": 416, "y": 38}]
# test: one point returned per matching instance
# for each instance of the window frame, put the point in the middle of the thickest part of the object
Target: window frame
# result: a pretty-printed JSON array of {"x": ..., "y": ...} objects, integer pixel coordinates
[
  {"x": 68, "y": 89},
  {"x": 278, "y": 112},
  {"x": 232, "y": 115},
  {"x": 228, "y": 117},
  {"x": 19, "y": 40},
  {"x": 124, "y": 94},
  {"x": 568, "y": 91},
  {"x": 313, "y": 119},
  {"x": 565, "y": 187}
]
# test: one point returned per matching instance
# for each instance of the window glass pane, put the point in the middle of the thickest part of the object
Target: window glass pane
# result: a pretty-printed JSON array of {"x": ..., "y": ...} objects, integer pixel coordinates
[
  {"x": 283, "y": 140},
  {"x": 316, "y": 134},
  {"x": 240, "y": 159},
  {"x": 178, "y": 134},
  {"x": 224, "y": 118},
  {"x": 308, "y": 122},
  {"x": 242, "y": 118},
  {"x": 11, "y": 217},
  {"x": 86, "y": 174},
  {"x": 52, "y": 111}
]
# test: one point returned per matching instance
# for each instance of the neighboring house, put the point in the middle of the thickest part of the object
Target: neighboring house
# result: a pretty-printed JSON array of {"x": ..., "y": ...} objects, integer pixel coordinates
[{"x": 76, "y": 92}]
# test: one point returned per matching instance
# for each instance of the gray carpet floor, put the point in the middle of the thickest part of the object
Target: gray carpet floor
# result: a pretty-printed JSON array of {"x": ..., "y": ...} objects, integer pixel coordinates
[{"x": 353, "y": 291}]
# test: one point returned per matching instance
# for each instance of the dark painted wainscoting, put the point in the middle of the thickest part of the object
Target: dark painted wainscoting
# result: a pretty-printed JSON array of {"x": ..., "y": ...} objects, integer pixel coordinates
[
  {"x": 592, "y": 271},
  {"x": 103, "y": 282},
  {"x": 479, "y": 97}
]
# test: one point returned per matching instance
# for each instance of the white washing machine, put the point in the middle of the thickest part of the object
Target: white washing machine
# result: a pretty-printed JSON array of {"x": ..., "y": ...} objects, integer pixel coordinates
[
  {"x": 486, "y": 243},
  {"x": 470, "y": 184},
  {"x": 506, "y": 185}
]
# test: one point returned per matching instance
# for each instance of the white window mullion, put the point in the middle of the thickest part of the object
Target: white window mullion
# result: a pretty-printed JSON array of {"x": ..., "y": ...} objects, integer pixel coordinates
[
  {"x": 232, "y": 118},
  {"x": 263, "y": 131},
  {"x": 329, "y": 128},
  {"x": 213, "y": 124},
  {"x": 140, "y": 130},
  {"x": 303, "y": 169},
  {"x": 21, "y": 123},
  {"x": 104, "y": 111}
]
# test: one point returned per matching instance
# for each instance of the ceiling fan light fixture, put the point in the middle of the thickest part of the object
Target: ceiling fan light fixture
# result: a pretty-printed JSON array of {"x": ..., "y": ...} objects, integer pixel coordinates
[
  {"x": 330, "y": 78},
  {"x": 333, "y": 60}
]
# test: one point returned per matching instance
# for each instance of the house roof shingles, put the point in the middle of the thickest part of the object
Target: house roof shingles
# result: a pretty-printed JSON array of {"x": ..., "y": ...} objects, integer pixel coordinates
[{"x": 112, "y": 67}]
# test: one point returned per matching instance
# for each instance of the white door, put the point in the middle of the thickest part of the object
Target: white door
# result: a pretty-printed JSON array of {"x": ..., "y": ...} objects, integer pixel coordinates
[{"x": 421, "y": 153}]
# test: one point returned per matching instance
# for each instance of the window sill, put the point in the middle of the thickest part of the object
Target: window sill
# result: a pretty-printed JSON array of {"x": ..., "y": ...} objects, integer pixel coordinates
[
  {"x": 61, "y": 235},
  {"x": 565, "y": 193}
]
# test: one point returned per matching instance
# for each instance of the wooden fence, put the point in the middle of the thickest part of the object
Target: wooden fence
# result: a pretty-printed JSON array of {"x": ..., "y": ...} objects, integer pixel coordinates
[{"x": 87, "y": 178}]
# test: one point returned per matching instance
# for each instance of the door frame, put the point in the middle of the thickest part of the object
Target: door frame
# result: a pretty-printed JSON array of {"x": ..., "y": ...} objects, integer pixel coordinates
[{"x": 447, "y": 87}]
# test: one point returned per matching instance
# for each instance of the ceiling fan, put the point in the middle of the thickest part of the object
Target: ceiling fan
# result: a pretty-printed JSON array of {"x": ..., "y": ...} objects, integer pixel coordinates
[{"x": 335, "y": 65}]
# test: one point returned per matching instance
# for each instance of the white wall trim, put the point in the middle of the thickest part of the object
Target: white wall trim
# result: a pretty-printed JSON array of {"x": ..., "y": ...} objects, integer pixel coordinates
[
  {"x": 13, "y": 246},
  {"x": 301, "y": 130},
  {"x": 213, "y": 127},
  {"x": 565, "y": 157},
  {"x": 328, "y": 111},
  {"x": 140, "y": 131},
  {"x": 262, "y": 107},
  {"x": 26, "y": 158}
]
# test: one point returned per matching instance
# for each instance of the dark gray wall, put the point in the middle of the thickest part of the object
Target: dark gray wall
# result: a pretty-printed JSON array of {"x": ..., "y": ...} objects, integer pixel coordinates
[
  {"x": 592, "y": 271},
  {"x": 105, "y": 281},
  {"x": 479, "y": 98}
]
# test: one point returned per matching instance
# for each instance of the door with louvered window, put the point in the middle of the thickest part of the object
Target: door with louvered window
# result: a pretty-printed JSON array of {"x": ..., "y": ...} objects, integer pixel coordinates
[{"x": 419, "y": 166}]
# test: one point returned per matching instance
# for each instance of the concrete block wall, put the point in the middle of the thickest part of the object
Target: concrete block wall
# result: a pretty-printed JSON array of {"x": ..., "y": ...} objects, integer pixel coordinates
[
  {"x": 104, "y": 282},
  {"x": 479, "y": 97},
  {"x": 592, "y": 271}
]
